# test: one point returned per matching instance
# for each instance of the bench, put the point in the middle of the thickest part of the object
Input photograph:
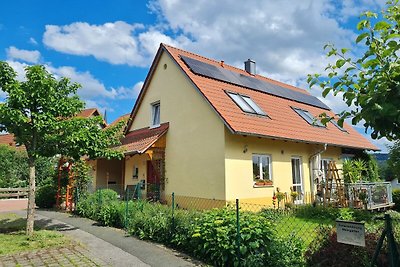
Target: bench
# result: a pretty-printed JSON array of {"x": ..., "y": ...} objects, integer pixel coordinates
[{"x": 13, "y": 193}]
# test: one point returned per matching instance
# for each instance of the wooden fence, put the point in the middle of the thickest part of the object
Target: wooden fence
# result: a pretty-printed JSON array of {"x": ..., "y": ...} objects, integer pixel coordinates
[{"x": 13, "y": 193}]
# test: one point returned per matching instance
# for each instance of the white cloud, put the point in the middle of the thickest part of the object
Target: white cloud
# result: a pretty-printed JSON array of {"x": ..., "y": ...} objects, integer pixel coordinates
[
  {"x": 91, "y": 87},
  {"x": 19, "y": 68},
  {"x": 128, "y": 92},
  {"x": 116, "y": 43},
  {"x": 30, "y": 56},
  {"x": 33, "y": 41}
]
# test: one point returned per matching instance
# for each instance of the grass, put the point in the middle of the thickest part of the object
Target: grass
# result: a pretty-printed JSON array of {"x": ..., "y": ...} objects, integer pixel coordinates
[
  {"x": 13, "y": 238},
  {"x": 308, "y": 230}
]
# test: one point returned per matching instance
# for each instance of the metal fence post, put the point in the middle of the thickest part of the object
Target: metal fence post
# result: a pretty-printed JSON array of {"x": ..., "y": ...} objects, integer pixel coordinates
[
  {"x": 173, "y": 212},
  {"x": 393, "y": 253},
  {"x": 126, "y": 207},
  {"x": 238, "y": 231}
]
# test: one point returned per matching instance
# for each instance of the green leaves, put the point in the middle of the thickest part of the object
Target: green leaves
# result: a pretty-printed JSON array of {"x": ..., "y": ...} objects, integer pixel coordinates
[
  {"x": 41, "y": 112},
  {"x": 369, "y": 83}
]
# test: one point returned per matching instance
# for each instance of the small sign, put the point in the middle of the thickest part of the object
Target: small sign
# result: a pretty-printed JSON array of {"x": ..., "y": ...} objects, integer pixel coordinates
[{"x": 352, "y": 233}]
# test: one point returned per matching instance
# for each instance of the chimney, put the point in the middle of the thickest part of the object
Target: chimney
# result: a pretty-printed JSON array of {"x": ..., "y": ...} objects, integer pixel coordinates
[{"x": 250, "y": 66}]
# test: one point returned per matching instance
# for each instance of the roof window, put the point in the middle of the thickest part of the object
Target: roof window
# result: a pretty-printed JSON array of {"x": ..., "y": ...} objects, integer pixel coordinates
[
  {"x": 308, "y": 117},
  {"x": 246, "y": 104},
  {"x": 337, "y": 125}
]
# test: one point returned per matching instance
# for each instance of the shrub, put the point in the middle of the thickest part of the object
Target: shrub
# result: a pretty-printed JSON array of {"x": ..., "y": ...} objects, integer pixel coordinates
[
  {"x": 209, "y": 235},
  {"x": 150, "y": 221},
  {"x": 46, "y": 196},
  {"x": 396, "y": 199}
]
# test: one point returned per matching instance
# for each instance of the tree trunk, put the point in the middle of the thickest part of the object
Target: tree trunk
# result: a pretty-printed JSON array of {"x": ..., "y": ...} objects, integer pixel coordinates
[{"x": 30, "y": 218}]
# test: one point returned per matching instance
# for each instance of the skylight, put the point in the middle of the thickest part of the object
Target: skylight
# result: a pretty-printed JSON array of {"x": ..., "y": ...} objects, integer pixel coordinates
[
  {"x": 338, "y": 126},
  {"x": 308, "y": 117},
  {"x": 246, "y": 104}
]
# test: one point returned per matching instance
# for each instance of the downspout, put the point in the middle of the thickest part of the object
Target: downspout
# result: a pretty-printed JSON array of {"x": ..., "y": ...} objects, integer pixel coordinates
[{"x": 312, "y": 170}]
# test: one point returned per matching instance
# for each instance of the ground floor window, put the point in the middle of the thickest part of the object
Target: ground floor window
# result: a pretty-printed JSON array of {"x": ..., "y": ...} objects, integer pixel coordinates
[{"x": 261, "y": 167}]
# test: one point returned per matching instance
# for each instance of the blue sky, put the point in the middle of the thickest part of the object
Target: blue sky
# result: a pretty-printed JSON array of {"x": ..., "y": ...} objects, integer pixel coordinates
[{"x": 108, "y": 46}]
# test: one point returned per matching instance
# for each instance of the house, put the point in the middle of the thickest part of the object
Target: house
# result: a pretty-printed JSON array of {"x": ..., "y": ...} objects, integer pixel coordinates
[{"x": 206, "y": 130}]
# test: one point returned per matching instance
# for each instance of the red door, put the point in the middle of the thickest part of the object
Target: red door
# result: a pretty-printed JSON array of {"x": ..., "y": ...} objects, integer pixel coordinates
[{"x": 153, "y": 182}]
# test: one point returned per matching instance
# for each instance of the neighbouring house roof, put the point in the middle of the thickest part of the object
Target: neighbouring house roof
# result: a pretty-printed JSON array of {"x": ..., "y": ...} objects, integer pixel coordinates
[
  {"x": 138, "y": 141},
  {"x": 89, "y": 112},
  {"x": 86, "y": 113},
  {"x": 120, "y": 118},
  {"x": 9, "y": 140},
  {"x": 281, "y": 122}
]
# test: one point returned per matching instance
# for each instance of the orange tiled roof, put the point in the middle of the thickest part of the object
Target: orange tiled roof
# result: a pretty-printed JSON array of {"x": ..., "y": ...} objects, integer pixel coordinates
[
  {"x": 138, "y": 141},
  {"x": 8, "y": 139},
  {"x": 283, "y": 122},
  {"x": 120, "y": 118},
  {"x": 86, "y": 113}
]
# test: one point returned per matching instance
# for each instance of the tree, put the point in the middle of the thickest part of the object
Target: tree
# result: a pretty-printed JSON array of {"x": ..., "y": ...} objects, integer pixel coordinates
[
  {"x": 393, "y": 163},
  {"x": 13, "y": 167},
  {"x": 41, "y": 113},
  {"x": 370, "y": 84}
]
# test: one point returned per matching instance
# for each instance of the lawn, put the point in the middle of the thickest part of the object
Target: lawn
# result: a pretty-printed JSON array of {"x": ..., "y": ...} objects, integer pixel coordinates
[
  {"x": 308, "y": 230},
  {"x": 14, "y": 240}
]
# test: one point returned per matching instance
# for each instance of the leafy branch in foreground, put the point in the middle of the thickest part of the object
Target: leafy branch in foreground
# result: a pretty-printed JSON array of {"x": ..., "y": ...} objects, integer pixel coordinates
[{"x": 370, "y": 84}]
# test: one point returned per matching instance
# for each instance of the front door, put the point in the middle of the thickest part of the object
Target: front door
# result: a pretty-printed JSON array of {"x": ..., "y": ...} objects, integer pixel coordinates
[
  {"x": 297, "y": 179},
  {"x": 153, "y": 182}
]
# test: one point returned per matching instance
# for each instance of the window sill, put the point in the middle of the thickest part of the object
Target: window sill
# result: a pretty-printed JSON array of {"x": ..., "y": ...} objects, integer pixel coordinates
[
  {"x": 264, "y": 185},
  {"x": 155, "y": 126}
]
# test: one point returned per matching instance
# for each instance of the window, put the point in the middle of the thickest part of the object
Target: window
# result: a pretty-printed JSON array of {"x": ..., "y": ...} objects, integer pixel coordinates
[
  {"x": 261, "y": 167},
  {"x": 308, "y": 117},
  {"x": 337, "y": 125},
  {"x": 246, "y": 104},
  {"x": 155, "y": 114},
  {"x": 135, "y": 174}
]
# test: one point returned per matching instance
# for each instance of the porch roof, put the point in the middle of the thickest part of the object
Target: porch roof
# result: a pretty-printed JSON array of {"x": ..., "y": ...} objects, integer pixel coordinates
[{"x": 139, "y": 141}]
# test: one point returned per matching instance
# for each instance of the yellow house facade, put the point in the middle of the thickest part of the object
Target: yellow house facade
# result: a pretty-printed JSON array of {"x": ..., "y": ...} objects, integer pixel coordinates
[{"x": 201, "y": 131}]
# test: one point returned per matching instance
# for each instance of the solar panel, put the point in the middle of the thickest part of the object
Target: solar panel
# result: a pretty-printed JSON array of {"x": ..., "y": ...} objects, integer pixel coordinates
[{"x": 221, "y": 74}]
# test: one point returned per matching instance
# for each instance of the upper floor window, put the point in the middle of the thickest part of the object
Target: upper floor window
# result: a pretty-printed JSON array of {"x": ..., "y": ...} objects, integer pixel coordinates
[
  {"x": 246, "y": 104},
  {"x": 155, "y": 114},
  {"x": 308, "y": 117}
]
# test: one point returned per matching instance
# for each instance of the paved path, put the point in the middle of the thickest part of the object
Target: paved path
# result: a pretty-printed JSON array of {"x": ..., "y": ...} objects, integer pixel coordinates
[
  {"x": 112, "y": 245},
  {"x": 65, "y": 256},
  {"x": 13, "y": 204}
]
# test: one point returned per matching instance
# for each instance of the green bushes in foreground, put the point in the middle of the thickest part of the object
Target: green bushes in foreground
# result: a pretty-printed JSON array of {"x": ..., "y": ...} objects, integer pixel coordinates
[{"x": 209, "y": 235}]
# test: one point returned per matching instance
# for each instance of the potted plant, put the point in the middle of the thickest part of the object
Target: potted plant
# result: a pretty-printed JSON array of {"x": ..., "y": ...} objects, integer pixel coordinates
[{"x": 268, "y": 182}]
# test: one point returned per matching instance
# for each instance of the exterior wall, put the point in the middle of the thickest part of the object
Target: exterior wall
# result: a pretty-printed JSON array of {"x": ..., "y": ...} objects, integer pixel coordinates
[
  {"x": 109, "y": 171},
  {"x": 239, "y": 169},
  {"x": 194, "y": 154},
  {"x": 140, "y": 162}
]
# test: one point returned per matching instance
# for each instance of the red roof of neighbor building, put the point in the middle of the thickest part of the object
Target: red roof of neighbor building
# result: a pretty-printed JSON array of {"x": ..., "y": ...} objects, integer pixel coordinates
[
  {"x": 89, "y": 112},
  {"x": 282, "y": 121},
  {"x": 120, "y": 118},
  {"x": 86, "y": 113},
  {"x": 138, "y": 141},
  {"x": 8, "y": 139}
]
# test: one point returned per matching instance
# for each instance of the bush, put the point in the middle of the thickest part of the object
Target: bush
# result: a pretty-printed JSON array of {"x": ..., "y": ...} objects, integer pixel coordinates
[
  {"x": 396, "y": 199},
  {"x": 209, "y": 235},
  {"x": 46, "y": 196}
]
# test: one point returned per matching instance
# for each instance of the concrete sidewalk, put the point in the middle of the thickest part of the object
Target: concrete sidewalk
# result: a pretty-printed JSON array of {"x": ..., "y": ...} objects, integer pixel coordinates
[{"x": 112, "y": 245}]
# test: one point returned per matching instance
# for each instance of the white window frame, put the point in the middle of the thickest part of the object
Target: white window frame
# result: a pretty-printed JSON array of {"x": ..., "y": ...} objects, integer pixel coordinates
[
  {"x": 261, "y": 167},
  {"x": 308, "y": 117},
  {"x": 153, "y": 110},
  {"x": 246, "y": 104},
  {"x": 300, "y": 197}
]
